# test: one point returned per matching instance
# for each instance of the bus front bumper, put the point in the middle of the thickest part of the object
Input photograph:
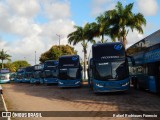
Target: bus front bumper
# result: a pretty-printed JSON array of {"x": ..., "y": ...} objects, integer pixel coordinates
[
  {"x": 50, "y": 80},
  {"x": 111, "y": 86},
  {"x": 69, "y": 83},
  {"x": 35, "y": 81},
  {"x": 4, "y": 81},
  {"x": 26, "y": 80},
  {"x": 18, "y": 80}
]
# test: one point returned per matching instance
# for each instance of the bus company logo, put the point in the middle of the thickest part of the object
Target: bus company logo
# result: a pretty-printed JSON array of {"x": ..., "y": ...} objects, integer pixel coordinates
[
  {"x": 118, "y": 47},
  {"x": 74, "y": 58},
  {"x": 109, "y": 57}
]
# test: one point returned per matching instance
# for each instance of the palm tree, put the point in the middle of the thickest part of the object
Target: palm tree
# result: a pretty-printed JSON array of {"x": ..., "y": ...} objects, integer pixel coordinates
[
  {"x": 4, "y": 56},
  {"x": 102, "y": 27},
  {"x": 121, "y": 19},
  {"x": 82, "y": 35}
]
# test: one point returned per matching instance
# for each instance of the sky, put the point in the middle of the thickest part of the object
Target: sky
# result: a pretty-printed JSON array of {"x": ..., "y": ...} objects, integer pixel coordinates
[{"x": 27, "y": 26}]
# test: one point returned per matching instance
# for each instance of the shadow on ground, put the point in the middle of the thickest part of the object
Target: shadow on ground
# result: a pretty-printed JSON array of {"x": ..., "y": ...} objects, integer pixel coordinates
[{"x": 133, "y": 101}]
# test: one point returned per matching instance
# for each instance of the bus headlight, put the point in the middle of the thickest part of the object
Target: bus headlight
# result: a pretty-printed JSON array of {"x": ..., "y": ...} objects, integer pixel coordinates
[
  {"x": 127, "y": 83},
  {"x": 77, "y": 82},
  {"x": 45, "y": 80},
  {"x": 60, "y": 83},
  {"x": 99, "y": 85}
]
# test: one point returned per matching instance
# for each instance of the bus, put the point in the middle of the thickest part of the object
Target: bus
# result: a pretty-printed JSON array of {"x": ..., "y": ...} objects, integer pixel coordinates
[
  {"x": 50, "y": 72},
  {"x": 28, "y": 74},
  {"x": 69, "y": 71},
  {"x": 145, "y": 74},
  {"x": 108, "y": 68},
  {"x": 4, "y": 76},
  {"x": 19, "y": 75},
  {"x": 37, "y": 74},
  {"x": 12, "y": 76}
]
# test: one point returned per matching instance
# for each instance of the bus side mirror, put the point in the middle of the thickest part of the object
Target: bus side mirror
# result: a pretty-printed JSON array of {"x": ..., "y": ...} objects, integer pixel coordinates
[{"x": 80, "y": 68}]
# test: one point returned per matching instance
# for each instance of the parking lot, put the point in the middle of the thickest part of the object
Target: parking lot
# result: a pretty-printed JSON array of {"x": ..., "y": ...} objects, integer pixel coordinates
[{"x": 29, "y": 97}]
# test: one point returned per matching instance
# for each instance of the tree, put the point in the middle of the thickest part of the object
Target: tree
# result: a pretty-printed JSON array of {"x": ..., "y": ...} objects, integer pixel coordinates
[
  {"x": 10, "y": 66},
  {"x": 102, "y": 27},
  {"x": 20, "y": 63},
  {"x": 121, "y": 19},
  {"x": 4, "y": 56},
  {"x": 56, "y": 51},
  {"x": 82, "y": 35}
]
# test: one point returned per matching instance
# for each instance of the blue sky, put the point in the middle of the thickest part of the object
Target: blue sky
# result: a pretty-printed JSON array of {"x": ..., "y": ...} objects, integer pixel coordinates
[
  {"x": 27, "y": 26},
  {"x": 82, "y": 11}
]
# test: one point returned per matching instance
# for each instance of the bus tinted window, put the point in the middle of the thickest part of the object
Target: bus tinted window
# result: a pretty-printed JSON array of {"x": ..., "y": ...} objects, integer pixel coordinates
[
  {"x": 110, "y": 70},
  {"x": 69, "y": 61},
  {"x": 102, "y": 51},
  {"x": 69, "y": 73}
]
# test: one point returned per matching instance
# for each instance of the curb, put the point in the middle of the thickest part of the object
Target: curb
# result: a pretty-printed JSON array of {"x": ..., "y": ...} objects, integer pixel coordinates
[
  {"x": 5, "y": 107},
  {"x": 1, "y": 91}
]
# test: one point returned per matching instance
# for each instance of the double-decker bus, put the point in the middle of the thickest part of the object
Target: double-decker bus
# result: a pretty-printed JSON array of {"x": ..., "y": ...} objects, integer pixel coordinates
[
  {"x": 28, "y": 74},
  {"x": 37, "y": 74},
  {"x": 19, "y": 75},
  {"x": 108, "y": 68},
  {"x": 4, "y": 76},
  {"x": 146, "y": 71},
  {"x": 12, "y": 76},
  {"x": 69, "y": 74},
  {"x": 50, "y": 72}
]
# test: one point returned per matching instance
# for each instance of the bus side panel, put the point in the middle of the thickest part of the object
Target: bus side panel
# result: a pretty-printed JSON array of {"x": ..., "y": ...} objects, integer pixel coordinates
[
  {"x": 152, "y": 84},
  {"x": 142, "y": 81}
]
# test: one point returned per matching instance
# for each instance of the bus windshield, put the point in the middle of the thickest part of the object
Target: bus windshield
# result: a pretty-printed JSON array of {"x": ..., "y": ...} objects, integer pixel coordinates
[
  {"x": 110, "y": 70},
  {"x": 69, "y": 73},
  {"x": 37, "y": 74},
  {"x": 19, "y": 76},
  {"x": 28, "y": 75},
  {"x": 50, "y": 73}
]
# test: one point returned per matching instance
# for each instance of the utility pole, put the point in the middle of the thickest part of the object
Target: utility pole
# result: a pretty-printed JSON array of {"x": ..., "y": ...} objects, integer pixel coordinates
[
  {"x": 59, "y": 36},
  {"x": 35, "y": 57}
]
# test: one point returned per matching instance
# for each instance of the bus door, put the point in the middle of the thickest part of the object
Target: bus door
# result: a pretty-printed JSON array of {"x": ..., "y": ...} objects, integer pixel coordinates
[
  {"x": 152, "y": 76},
  {"x": 158, "y": 76},
  {"x": 90, "y": 73}
]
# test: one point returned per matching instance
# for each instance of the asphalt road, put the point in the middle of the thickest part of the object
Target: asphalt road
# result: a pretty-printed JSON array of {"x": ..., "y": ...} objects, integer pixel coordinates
[
  {"x": 2, "y": 108},
  {"x": 28, "y": 97}
]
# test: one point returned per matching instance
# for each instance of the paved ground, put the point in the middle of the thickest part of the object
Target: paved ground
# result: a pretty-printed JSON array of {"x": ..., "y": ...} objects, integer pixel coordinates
[
  {"x": 1, "y": 107},
  {"x": 27, "y": 97}
]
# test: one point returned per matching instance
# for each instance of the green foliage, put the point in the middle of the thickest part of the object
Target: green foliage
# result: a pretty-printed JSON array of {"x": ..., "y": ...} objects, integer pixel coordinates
[
  {"x": 121, "y": 19},
  {"x": 56, "y": 51},
  {"x": 10, "y": 66},
  {"x": 82, "y": 35},
  {"x": 13, "y": 66},
  {"x": 4, "y": 56},
  {"x": 20, "y": 63}
]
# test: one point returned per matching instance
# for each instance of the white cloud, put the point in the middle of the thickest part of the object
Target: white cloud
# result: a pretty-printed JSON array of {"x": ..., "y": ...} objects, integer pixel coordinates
[
  {"x": 54, "y": 9},
  {"x": 148, "y": 7},
  {"x": 133, "y": 37},
  {"x": 99, "y": 6},
  {"x": 25, "y": 8},
  {"x": 19, "y": 20}
]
